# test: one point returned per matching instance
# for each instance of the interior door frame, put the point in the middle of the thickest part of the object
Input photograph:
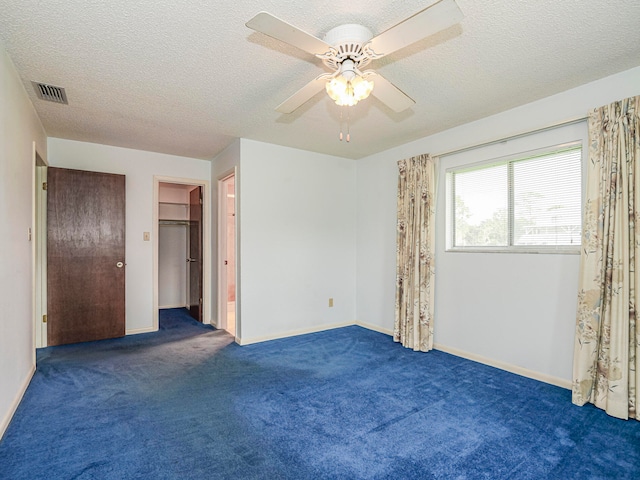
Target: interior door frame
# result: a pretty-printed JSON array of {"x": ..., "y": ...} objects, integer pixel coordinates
[
  {"x": 206, "y": 243},
  {"x": 39, "y": 248},
  {"x": 222, "y": 248}
]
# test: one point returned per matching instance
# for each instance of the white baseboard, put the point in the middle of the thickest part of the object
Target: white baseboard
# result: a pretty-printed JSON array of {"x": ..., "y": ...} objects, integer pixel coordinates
[
  {"x": 172, "y": 306},
  {"x": 525, "y": 372},
  {"x": 375, "y": 328},
  {"x": 16, "y": 401},
  {"x": 135, "y": 331},
  {"x": 292, "y": 333}
]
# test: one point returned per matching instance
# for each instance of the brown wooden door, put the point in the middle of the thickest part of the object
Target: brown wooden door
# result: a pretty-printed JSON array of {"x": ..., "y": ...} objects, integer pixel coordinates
[
  {"x": 195, "y": 253},
  {"x": 85, "y": 256}
]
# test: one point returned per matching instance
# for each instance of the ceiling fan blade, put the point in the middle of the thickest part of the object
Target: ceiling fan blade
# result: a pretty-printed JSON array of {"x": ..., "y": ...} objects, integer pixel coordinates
[
  {"x": 432, "y": 19},
  {"x": 272, "y": 26},
  {"x": 303, "y": 95},
  {"x": 389, "y": 94}
]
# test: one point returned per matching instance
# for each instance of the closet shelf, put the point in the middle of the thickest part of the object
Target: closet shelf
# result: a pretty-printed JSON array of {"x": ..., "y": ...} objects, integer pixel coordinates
[
  {"x": 174, "y": 222},
  {"x": 172, "y": 211}
]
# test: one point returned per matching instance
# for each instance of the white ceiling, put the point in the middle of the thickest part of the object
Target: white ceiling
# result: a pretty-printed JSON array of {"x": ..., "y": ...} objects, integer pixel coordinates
[{"x": 186, "y": 78}]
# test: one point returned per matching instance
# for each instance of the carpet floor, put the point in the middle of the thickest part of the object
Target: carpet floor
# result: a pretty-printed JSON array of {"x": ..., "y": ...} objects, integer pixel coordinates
[{"x": 187, "y": 403}]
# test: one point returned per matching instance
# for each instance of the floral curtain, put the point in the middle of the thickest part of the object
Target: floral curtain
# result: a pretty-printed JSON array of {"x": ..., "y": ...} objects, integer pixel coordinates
[
  {"x": 415, "y": 253},
  {"x": 606, "y": 370}
]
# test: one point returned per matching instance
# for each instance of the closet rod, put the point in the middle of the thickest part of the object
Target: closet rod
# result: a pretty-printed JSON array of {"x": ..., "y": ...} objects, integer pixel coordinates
[{"x": 512, "y": 137}]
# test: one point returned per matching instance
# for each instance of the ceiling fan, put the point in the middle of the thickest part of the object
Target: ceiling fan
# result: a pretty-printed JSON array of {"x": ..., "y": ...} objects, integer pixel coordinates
[{"x": 347, "y": 49}]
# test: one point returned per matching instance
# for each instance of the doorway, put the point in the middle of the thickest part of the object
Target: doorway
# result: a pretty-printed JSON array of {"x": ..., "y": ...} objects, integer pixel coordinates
[
  {"x": 227, "y": 252},
  {"x": 181, "y": 245}
]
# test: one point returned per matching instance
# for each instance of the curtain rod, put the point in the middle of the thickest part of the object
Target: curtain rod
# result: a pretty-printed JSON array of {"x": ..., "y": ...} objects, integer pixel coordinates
[{"x": 512, "y": 137}]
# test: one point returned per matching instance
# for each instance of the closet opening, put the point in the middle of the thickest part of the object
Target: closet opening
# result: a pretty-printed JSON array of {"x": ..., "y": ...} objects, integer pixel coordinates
[{"x": 181, "y": 248}]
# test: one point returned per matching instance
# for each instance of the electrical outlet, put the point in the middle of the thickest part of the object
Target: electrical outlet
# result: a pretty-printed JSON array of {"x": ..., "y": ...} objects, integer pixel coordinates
[
  {"x": 331, "y": 302},
  {"x": 146, "y": 236}
]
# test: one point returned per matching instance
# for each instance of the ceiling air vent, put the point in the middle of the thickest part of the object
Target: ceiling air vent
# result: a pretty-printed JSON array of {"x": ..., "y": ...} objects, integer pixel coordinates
[{"x": 50, "y": 93}]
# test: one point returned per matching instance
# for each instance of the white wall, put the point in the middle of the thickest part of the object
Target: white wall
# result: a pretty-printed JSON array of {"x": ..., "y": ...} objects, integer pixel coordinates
[
  {"x": 174, "y": 193},
  {"x": 139, "y": 168},
  {"x": 298, "y": 240},
  {"x": 19, "y": 128},
  {"x": 172, "y": 265},
  {"x": 512, "y": 310}
]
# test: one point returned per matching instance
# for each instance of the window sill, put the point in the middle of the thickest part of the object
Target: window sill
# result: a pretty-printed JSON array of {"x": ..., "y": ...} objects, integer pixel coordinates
[{"x": 562, "y": 250}]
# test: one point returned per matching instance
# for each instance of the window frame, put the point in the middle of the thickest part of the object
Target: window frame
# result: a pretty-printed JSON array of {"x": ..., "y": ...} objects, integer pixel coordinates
[{"x": 497, "y": 161}]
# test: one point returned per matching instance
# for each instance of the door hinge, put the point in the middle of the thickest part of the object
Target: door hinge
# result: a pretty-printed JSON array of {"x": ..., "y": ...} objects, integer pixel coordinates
[
  {"x": 44, "y": 319},
  {"x": 44, "y": 185}
]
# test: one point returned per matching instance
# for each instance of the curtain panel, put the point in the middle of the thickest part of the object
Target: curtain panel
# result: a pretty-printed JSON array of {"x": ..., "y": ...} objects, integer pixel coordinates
[
  {"x": 415, "y": 252},
  {"x": 606, "y": 370}
]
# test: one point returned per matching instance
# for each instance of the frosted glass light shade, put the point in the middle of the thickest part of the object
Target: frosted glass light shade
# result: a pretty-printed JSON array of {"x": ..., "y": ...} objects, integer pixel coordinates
[{"x": 348, "y": 92}]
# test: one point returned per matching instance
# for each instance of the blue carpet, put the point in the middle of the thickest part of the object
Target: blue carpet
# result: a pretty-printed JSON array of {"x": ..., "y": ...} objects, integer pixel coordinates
[{"x": 187, "y": 403}]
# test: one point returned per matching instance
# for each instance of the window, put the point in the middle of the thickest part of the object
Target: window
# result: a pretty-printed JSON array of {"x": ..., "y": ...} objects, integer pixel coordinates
[{"x": 531, "y": 202}]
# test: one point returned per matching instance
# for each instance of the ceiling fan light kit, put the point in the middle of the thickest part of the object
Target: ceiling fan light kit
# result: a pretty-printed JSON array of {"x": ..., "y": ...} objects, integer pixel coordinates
[
  {"x": 348, "y": 54},
  {"x": 346, "y": 93},
  {"x": 347, "y": 49},
  {"x": 349, "y": 86}
]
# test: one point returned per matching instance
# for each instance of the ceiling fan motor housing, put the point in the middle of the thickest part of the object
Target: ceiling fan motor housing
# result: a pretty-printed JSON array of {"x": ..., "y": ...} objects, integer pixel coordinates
[{"x": 348, "y": 43}]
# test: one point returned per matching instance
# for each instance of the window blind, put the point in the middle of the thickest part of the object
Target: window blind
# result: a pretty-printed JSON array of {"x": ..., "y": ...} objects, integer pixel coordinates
[{"x": 529, "y": 201}]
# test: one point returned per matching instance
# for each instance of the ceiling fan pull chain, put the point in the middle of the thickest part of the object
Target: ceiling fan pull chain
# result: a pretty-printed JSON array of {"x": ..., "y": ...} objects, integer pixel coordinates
[{"x": 342, "y": 123}]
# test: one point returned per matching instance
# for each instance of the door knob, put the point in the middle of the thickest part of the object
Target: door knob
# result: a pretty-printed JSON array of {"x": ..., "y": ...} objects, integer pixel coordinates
[
  {"x": 191, "y": 260},
  {"x": 119, "y": 264}
]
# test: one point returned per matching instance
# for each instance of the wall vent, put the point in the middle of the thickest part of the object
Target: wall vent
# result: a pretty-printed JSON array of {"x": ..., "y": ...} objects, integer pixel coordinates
[{"x": 50, "y": 93}]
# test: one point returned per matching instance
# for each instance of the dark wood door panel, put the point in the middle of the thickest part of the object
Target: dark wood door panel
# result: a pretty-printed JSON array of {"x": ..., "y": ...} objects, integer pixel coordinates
[
  {"x": 195, "y": 253},
  {"x": 85, "y": 245}
]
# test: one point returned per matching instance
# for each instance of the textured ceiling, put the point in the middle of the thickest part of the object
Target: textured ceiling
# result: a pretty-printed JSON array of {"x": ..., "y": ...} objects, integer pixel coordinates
[{"x": 186, "y": 78}]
